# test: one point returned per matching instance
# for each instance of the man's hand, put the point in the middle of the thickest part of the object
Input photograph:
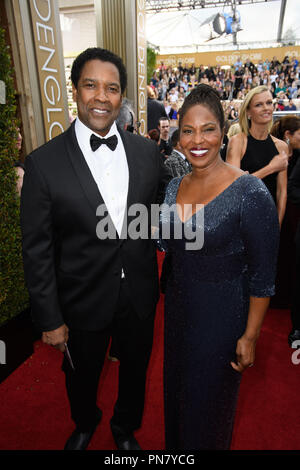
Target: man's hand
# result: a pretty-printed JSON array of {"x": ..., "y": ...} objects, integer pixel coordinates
[
  {"x": 279, "y": 162},
  {"x": 57, "y": 338}
]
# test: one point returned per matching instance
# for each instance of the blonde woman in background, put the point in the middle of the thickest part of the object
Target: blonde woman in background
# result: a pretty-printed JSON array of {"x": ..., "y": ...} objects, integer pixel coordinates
[
  {"x": 256, "y": 151},
  {"x": 233, "y": 130}
]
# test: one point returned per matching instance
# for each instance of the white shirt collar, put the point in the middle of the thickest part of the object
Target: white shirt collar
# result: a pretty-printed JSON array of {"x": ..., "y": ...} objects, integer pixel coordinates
[{"x": 181, "y": 154}]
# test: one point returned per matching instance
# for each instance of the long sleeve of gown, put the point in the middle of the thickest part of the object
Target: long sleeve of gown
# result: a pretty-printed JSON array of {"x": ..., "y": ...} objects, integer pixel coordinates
[{"x": 260, "y": 233}]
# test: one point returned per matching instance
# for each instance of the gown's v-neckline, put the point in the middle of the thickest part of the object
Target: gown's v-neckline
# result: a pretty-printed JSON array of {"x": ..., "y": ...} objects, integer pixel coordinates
[{"x": 209, "y": 202}]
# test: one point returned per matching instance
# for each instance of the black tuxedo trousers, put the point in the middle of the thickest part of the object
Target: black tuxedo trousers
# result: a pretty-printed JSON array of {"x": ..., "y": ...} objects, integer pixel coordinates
[{"x": 134, "y": 337}]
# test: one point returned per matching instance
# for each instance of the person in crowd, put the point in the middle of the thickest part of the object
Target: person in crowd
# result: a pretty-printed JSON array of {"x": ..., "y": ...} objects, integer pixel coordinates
[
  {"x": 238, "y": 64},
  {"x": 173, "y": 114},
  {"x": 20, "y": 170},
  {"x": 248, "y": 65},
  {"x": 234, "y": 129},
  {"x": 154, "y": 135},
  {"x": 291, "y": 106},
  {"x": 266, "y": 72},
  {"x": 126, "y": 118},
  {"x": 294, "y": 198},
  {"x": 71, "y": 116},
  {"x": 218, "y": 290},
  {"x": 87, "y": 281},
  {"x": 239, "y": 73},
  {"x": 287, "y": 128},
  {"x": 176, "y": 162},
  {"x": 167, "y": 107},
  {"x": 227, "y": 93},
  {"x": 165, "y": 145},
  {"x": 230, "y": 130},
  {"x": 256, "y": 151},
  {"x": 281, "y": 87},
  {"x": 234, "y": 111},
  {"x": 240, "y": 95},
  {"x": 19, "y": 166},
  {"x": 155, "y": 110},
  {"x": 292, "y": 91},
  {"x": 279, "y": 105},
  {"x": 173, "y": 96}
]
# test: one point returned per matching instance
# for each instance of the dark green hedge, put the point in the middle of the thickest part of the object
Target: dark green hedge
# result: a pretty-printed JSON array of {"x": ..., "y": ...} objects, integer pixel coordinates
[
  {"x": 13, "y": 295},
  {"x": 151, "y": 62}
]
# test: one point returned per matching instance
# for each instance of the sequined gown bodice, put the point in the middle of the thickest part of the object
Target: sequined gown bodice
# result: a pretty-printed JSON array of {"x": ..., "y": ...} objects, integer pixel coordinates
[{"x": 206, "y": 307}]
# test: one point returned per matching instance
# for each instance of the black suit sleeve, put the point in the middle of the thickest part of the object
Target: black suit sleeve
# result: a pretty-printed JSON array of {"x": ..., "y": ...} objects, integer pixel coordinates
[
  {"x": 38, "y": 249},
  {"x": 293, "y": 189}
]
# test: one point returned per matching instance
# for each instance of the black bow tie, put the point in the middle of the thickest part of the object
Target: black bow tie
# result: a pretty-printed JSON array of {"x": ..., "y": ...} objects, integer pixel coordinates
[{"x": 111, "y": 142}]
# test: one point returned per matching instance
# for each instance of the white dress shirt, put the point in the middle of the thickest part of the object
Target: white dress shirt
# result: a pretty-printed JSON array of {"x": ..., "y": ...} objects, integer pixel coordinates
[
  {"x": 181, "y": 154},
  {"x": 109, "y": 169}
]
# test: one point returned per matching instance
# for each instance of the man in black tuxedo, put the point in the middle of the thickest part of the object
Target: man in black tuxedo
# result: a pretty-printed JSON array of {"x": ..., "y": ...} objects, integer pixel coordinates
[
  {"x": 155, "y": 110},
  {"x": 164, "y": 143},
  {"x": 84, "y": 284}
]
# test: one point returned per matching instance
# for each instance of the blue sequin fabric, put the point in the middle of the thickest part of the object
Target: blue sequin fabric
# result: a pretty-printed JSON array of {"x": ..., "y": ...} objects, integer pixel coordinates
[{"x": 206, "y": 308}]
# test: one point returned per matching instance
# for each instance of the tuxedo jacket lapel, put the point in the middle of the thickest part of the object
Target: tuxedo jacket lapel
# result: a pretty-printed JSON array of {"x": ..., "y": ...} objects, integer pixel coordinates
[
  {"x": 133, "y": 168},
  {"x": 87, "y": 182},
  {"x": 134, "y": 178},
  {"x": 84, "y": 175}
]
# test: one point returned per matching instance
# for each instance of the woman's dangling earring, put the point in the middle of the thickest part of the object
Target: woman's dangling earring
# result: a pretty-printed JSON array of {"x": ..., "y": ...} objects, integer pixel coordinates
[{"x": 287, "y": 141}]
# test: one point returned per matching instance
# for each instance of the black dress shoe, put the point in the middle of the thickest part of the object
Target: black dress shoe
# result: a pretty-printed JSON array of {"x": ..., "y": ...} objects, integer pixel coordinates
[
  {"x": 294, "y": 336},
  {"x": 79, "y": 440},
  {"x": 123, "y": 440}
]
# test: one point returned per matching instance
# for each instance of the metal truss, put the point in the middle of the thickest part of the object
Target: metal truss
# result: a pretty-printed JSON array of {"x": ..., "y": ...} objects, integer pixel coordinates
[{"x": 156, "y": 6}]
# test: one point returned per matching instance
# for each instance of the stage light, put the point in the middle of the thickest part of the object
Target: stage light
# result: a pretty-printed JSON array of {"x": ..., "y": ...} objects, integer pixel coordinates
[
  {"x": 222, "y": 23},
  {"x": 219, "y": 24},
  {"x": 233, "y": 23},
  {"x": 227, "y": 23}
]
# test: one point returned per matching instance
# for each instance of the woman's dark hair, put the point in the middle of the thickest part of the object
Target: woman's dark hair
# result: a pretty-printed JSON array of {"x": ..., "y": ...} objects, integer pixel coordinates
[
  {"x": 154, "y": 134},
  {"x": 175, "y": 138},
  {"x": 286, "y": 123},
  {"x": 104, "y": 55},
  {"x": 206, "y": 96}
]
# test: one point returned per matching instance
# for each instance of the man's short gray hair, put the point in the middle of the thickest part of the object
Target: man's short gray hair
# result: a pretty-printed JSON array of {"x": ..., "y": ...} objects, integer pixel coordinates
[{"x": 126, "y": 114}]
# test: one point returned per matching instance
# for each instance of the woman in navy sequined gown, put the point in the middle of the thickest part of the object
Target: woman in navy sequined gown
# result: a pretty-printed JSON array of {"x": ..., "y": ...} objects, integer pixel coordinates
[{"x": 216, "y": 297}]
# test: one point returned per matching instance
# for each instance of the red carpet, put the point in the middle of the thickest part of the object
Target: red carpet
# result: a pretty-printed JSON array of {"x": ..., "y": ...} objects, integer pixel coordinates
[{"x": 34, "y": 411}]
